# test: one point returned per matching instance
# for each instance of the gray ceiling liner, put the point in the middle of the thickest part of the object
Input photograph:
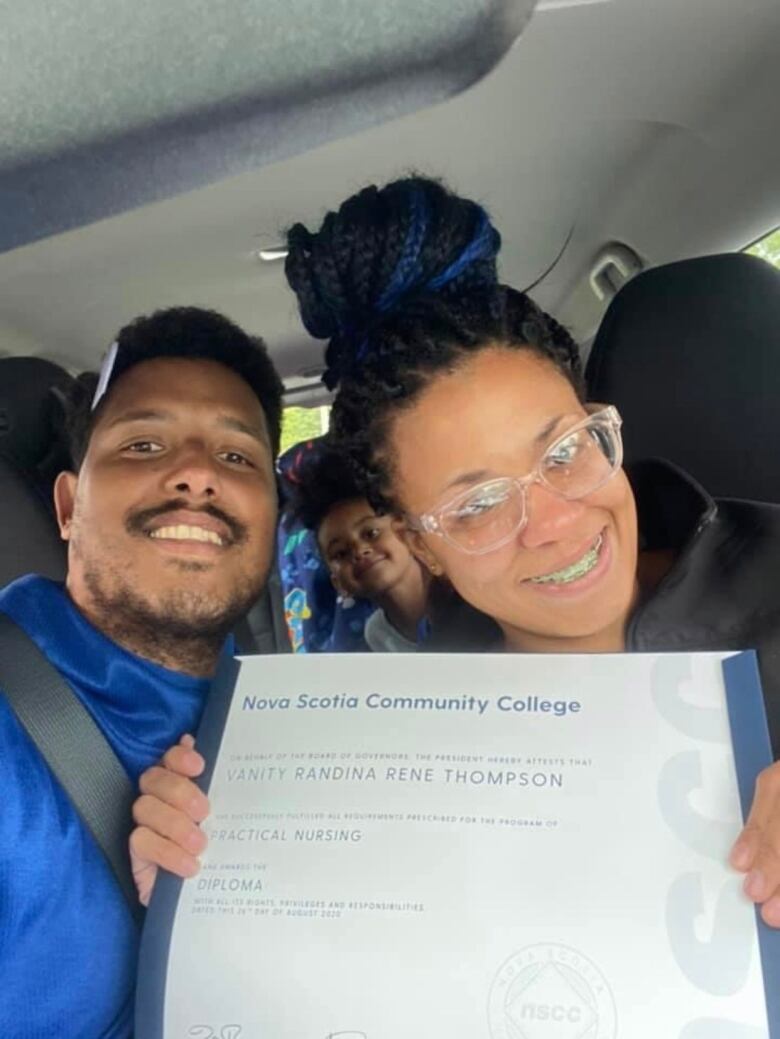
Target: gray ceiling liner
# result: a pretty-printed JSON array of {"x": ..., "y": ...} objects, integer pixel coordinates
[{"x": 109, "y": 104}]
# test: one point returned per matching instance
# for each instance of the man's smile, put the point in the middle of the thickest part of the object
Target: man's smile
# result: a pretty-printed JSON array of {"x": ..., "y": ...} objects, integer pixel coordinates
[
  {"x": 181, "y": 530},
  {"x": 184, "y": 532}
]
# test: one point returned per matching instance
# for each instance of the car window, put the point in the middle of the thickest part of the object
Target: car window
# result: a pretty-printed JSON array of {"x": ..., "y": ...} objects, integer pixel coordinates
[
  {"x": 768, "y": 247},
  {"x": 303, "y": 424}
]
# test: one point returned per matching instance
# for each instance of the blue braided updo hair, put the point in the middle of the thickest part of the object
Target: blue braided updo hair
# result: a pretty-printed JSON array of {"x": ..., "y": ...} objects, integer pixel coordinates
[{"x": 402, "y": 282}]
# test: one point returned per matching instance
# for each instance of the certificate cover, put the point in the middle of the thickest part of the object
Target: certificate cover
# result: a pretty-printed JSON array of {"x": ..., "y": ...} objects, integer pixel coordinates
[{"x": 470, "y": 847}]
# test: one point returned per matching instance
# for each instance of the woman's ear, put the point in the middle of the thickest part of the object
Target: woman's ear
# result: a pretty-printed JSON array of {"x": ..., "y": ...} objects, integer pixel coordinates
[{"x": 414, "y": 542}]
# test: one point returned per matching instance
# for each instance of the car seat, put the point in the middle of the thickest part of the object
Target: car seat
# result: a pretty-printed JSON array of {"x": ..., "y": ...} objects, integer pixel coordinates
[
  {"x": 33, "y": 450},
  {"x": 317, "y": 622},
  {"x": 690, "y": 355}
]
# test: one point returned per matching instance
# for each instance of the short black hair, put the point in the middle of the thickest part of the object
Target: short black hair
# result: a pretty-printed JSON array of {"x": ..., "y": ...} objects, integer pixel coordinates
[
  {"x": 188, "y": 332},
  {"x": 402, "y": 281},
  {"x": 324, "y": 481}
]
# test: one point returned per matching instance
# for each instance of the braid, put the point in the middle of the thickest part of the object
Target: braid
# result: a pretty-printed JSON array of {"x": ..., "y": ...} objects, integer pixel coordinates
[
  {"x": 402, "y": 281},
  {"x": 528, "y": 323}
]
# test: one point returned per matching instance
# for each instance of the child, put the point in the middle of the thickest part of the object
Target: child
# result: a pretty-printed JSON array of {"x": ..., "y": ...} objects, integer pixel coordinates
[{"x": 365, "y": 557}]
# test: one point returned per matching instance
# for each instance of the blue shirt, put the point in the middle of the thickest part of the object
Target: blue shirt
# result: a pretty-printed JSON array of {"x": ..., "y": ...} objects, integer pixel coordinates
[{"x": 68, "y": 944}]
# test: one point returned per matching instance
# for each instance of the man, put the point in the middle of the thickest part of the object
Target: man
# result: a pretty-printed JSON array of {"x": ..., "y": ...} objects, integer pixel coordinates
[{"x": 169, "y": 518}]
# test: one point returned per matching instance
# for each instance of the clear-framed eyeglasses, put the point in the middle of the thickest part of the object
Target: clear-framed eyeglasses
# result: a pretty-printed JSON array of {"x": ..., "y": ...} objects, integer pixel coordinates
[{"x": 577, "y": 463}]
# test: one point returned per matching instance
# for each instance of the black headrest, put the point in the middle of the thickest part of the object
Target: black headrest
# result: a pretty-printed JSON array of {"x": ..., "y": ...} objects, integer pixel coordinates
[
  {"x": 31, "y": 392},
  {"x": 29, "y": 539},
  {"x": 690, "y": 355}
]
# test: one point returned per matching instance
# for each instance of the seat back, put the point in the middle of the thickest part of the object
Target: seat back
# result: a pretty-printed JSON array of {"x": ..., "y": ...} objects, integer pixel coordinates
[
  {"x": 264, "y": 629},
  {"x": 33, "y": 450},
  {"x": 29, "y": 539},
  {"x": 690, "y": 355}
]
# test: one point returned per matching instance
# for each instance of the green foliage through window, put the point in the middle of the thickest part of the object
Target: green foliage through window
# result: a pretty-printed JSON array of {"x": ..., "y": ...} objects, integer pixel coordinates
[
  {"x": 302, "y": 424},
  {"x": 768, "y": 248}
]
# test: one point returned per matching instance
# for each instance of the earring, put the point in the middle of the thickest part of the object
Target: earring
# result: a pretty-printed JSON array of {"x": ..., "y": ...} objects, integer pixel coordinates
[
  {"x": 346, "y": 602},
  {"x": 435, "y": 569}
]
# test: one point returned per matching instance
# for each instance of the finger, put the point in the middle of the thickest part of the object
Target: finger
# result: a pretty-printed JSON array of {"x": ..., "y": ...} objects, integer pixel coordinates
[
  {"x": 183, "y": 760},
  {"x": 763, "y": 880},
  {"x": 145, "y": 876},
  {"x": 770, "y": 911},
  {"x": 168, "y": 822},
  {"x": 765, "y": 797},
  {"x": 150, "y": 847},
  {"x": 743, "y": 854},
  {"x": 187, "y": 740},
  {"x": 176, "y": 791}
]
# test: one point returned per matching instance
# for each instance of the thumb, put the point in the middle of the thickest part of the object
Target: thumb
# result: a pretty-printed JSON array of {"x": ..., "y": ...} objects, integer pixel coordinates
[{"x": 144, "y": 875}]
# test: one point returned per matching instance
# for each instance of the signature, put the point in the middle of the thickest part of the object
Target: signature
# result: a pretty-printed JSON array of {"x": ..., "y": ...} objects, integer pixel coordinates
[
  {"x": 234, "y": 1032},
  {"x": 208, "y": 1032}
]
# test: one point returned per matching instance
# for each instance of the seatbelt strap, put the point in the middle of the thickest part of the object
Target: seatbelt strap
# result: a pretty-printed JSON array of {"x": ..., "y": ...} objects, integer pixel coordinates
[{"x": 73, "y": 747}]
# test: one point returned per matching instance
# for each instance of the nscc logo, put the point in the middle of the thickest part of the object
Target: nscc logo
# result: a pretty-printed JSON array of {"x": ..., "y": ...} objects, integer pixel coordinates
[
  {"x": 551, "y": 992},
  {"x": 551, "y": 1012}
]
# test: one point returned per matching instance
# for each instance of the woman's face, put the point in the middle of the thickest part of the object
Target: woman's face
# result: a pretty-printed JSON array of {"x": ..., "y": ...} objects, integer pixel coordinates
[{"x": 493, "y": 416}]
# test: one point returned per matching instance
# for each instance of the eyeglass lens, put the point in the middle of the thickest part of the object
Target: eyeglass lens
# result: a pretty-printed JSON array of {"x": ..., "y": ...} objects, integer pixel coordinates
[{"x": 573, "y": 467}]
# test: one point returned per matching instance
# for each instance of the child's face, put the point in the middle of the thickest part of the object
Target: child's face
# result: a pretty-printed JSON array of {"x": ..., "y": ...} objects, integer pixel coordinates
[{"x": 365, "y": 557}]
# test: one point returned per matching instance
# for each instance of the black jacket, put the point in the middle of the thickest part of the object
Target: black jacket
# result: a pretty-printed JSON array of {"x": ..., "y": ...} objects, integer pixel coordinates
[{"x": 721, "y": 593}]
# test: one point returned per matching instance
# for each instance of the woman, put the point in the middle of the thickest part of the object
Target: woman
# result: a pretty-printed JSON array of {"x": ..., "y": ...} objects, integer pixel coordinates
[{"x": 461, "y": 407}]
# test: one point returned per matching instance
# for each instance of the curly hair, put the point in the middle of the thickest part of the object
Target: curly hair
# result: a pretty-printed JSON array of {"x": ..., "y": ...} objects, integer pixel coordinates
[
  {"x": 325, "y": 480},
  {"x": 188, "y": 332},
  {"x": 402, "y": 282}
]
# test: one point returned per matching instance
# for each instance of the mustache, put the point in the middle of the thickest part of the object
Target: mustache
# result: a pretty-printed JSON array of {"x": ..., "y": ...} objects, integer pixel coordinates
[{"x": 137, "y": 522}]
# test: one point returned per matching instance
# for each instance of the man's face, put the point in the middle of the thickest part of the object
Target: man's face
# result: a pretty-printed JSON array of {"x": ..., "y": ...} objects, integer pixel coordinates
[{"x": 171, "y": 518}]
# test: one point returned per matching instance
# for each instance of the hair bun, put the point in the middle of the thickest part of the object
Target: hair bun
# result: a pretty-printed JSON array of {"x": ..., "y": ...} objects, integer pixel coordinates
[{"x": 382, "y": 249}]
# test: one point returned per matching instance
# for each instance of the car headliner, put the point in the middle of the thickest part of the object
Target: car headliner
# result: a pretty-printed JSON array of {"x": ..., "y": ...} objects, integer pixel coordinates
[{"x": 646, "y": 122}]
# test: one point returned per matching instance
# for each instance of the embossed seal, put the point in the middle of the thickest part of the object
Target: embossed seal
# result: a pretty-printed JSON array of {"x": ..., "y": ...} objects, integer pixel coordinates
[{"x": 550, "y": 991}]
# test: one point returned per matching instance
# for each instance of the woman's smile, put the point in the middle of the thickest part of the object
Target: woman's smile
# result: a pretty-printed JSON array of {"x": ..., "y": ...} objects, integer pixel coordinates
[{"x": 580, "y": 576}]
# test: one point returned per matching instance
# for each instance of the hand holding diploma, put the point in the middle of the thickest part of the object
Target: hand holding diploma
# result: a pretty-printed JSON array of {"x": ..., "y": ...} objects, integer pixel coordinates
[
  {"x": 168, "y": 814},
  {"x": 757, "y": 850},
  {"x": 372, "y": 827}
]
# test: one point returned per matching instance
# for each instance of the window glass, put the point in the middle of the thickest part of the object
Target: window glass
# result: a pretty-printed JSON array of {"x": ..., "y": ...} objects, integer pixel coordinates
[
  {"x": 768, "y": 248},
  {"x": 303, "y": 424}
]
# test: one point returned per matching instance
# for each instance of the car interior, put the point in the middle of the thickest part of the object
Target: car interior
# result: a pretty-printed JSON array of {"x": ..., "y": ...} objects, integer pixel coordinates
[{"x": 153, "y": 156}]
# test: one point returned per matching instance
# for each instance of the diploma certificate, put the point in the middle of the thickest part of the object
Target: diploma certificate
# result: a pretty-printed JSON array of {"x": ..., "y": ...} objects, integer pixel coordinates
[{"x": 470, "y": 847}]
